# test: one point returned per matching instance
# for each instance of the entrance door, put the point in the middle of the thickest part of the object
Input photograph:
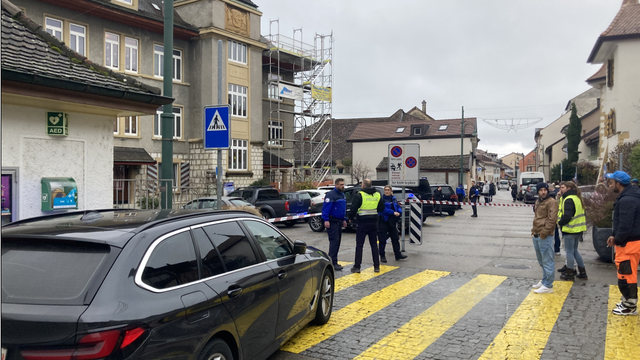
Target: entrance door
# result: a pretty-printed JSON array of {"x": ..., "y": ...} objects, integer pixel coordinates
[{"x": 120, "y": 185}]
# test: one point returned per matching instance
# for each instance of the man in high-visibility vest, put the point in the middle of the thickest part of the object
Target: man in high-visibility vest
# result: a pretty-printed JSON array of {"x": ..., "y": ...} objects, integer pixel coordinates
[
  {"x": 572, "y": 223},
  {"x": 366, "y": 205},
  {"x": 626, "y": 238}
]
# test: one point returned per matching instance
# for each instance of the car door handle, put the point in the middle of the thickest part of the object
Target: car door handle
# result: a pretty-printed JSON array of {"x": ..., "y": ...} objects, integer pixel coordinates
[
  {"x": 282, "y": 275},
  {"x": 234, "y": 291}
]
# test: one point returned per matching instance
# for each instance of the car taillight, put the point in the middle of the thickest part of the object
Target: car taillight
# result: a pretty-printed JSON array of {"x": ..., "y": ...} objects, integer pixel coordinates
[
  {"x": 453, "y": 197},
  {"x": 91, "y": 346},
  {"x": 286, "y": 206}
]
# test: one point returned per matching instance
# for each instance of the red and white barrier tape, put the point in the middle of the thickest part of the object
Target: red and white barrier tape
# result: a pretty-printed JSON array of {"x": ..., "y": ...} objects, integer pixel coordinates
[
  {"x": 438, "y": 202},
  {"x": 295, "y": 217}
]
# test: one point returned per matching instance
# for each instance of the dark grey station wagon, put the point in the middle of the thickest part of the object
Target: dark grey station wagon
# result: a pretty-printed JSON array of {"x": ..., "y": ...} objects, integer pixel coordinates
[{"x": 157, "y": 284}]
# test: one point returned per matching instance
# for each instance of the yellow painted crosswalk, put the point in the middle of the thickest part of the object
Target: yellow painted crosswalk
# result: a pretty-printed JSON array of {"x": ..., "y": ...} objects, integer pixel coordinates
[
  {"x": 526, "y": 333},
  {"x": 359, "y": 310},
  {"x": 623, "y": 332},
  {"x": 416, "y": 335}
]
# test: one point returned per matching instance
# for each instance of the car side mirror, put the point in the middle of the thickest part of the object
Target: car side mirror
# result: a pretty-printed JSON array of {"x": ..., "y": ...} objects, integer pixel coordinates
[{"x": 299, "y": 247}]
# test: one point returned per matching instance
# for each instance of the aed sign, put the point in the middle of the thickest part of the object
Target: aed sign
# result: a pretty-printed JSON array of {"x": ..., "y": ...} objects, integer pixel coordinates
[
  {"x": 404, "y": 167},
  {"x": 57, "y": 124}
]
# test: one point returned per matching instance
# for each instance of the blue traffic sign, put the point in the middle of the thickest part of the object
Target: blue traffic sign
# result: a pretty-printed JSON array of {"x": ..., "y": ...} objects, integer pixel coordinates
[
  {"x": 396, "y": 151},
  {"x": 217, "y": 127}
]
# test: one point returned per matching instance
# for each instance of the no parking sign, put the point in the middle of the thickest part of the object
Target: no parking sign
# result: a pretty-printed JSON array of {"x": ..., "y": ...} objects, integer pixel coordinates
[{"x": 404, "y": 164}]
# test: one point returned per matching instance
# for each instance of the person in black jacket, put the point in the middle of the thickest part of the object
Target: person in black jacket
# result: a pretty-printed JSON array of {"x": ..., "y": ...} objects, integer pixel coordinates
[
  {"x": 437, "y": 196},
  {"x": 474, "y": 195},
  {"x": 492, "y": 191},
  {"x": 366, "y": 205},
  {"x": 514, "y": 191},
  {"x": 626, "y": 238}
]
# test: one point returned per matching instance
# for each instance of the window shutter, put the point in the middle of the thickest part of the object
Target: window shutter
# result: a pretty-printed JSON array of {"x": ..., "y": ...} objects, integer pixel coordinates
[
  {"x": 185, "y": 173},
  {"x": 152, "y": 177}
]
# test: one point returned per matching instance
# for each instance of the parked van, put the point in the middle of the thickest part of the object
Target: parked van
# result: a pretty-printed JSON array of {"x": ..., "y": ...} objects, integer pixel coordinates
[
  {"x": 528, "y": 178},
  {"x": 503, "y": 184}
]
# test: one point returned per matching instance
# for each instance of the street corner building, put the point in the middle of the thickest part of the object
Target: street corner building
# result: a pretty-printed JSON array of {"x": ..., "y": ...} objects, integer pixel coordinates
[{"x": 58, "y": 110}]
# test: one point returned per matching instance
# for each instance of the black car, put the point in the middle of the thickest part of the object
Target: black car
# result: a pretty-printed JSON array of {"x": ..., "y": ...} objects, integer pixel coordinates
[
  {"x": 157, "y": 284},
  {"x": 317, "y": 224},
  {"x": 448, "y": 194},
  {"x": 531, "y": 194}
]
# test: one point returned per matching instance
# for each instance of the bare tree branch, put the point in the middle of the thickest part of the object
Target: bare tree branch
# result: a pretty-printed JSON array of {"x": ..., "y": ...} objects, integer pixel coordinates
[{"x": 360, "y": 171}]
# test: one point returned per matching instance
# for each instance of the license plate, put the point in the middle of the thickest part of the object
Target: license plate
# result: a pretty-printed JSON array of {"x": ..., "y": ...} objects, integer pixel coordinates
[{"x": 4, "y": 353}]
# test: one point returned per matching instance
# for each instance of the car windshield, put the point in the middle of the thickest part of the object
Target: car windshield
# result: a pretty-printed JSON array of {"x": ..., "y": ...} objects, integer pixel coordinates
[
  {"x": 238, "y": 202},
  {"x": 534, "y": 181}
]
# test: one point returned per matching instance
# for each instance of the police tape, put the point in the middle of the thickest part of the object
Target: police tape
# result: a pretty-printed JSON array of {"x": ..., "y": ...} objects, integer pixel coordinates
[
  {"x": 295, "y": 217},
  {"x": 438, "y": 202}
]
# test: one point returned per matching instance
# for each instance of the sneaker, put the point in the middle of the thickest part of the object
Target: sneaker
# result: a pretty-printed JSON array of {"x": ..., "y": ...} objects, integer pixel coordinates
[
  {"x": 376, "y": 269},
  {"x": 355, "y": 270},
  {"x": 401, "y": 257},
  {"x": 383, "y": 258},
  {"x": 543, "y": 290},
  {"x": 337, "y": 267},
  {"x": 538, "y": 285},
  {"x": 624, "y": 311}
]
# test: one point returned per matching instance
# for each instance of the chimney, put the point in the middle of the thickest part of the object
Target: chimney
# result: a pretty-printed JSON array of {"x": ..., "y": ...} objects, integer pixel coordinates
[{"x": 424, "y": 106}]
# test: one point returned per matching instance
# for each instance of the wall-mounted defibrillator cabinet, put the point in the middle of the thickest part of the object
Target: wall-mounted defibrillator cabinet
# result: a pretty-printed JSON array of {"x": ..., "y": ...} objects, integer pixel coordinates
[{"x": 59, "y": 193}]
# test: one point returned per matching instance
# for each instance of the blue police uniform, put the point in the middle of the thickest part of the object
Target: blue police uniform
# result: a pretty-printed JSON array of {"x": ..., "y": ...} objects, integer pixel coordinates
[
  {"x": 334, "y": 210},
  {"x": 387, "y": 228}
]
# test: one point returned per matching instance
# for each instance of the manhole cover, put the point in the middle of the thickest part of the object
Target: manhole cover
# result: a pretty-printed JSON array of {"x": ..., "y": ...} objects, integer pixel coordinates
[{"x": 507, "y": 266}]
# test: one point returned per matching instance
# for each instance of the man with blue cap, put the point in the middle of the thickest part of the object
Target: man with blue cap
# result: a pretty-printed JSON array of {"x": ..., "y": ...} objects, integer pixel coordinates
[
  {"x": 626, "y": 238},
  {"x": 544, "y": 222},
  {"x": 634, "y": 182}
]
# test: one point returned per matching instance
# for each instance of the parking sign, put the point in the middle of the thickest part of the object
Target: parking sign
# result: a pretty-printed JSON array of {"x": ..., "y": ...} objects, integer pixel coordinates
[
  {"x": 217, "y": 127},
  {"x": 404, "y": 164}
]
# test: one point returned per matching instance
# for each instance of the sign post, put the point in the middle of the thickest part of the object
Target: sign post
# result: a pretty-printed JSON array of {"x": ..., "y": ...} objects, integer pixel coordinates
[
  {"x": 404, "y": 170},
  {"x": 217, "y": 135}
]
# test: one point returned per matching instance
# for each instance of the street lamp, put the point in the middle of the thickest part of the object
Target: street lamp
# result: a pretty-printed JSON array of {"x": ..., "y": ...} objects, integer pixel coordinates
[{"x": 474, "y": 143}]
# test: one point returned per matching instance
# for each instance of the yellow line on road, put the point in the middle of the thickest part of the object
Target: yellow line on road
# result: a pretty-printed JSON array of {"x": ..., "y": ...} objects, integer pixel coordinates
[
  {"x": 366, "y": 274},
  {"x": 525, "y": 334},
  {"x": 623, "y": 332},
  {"x": 360, "y": 310},
  {"x": 415, "y": 336},
  {"x": 344, "y": 263}
]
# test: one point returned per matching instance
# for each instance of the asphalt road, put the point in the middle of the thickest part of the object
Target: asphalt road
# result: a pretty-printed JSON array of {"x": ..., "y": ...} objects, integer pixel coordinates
[{"x": 465, "y": 293}]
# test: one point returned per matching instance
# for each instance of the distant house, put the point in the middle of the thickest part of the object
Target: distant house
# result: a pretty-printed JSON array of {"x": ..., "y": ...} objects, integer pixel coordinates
[
  {"x": 58, "y": 112},
  {"x": 618, "y": 50},
  {"x": 438, "y": 169}
]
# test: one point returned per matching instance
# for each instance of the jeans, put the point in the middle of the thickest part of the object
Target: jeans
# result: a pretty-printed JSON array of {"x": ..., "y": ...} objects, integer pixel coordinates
[
  {"x": 545, "y": 255},
  {"x": 556, "y": 244},
  {"x": 571, "y": 246},
  {"x": 335, "y": 236}
]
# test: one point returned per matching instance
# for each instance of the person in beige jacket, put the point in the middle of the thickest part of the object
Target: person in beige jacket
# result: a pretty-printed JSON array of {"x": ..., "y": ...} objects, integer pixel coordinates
[{"x": 544, "y": 222}]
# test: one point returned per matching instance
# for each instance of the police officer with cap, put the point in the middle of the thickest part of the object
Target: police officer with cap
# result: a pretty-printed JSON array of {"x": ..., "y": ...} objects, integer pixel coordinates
[
  {"x": 334, "y": 214},
  {"x": 366, "y": 204}
]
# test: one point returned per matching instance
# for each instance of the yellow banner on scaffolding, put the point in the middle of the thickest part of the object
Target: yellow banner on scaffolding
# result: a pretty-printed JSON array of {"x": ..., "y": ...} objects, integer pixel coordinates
[{"x": 321, "y": 93}]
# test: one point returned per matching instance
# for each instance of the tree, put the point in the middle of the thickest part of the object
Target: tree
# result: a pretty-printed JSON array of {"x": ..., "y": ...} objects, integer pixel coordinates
[
  {"x": 359, "y": 171},
  {"x": 573, "y": 134},
  {"x": 568, "y": 171},
  {"x": 627, "y": 153},
  {"x": 635, "y": 161}
]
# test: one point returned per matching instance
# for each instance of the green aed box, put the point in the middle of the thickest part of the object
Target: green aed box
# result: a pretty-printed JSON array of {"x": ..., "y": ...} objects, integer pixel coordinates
[{"x": 59, "y": 193}]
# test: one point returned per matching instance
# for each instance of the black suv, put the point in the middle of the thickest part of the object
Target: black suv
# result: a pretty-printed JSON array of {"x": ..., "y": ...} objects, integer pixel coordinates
[
  {"x": 448, "y": 194},
  {"x": 157, "y": 284}
]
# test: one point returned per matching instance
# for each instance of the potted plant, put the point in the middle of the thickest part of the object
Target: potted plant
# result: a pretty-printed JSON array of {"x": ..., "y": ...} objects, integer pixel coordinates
[
  {"x": 599, "y": 210},
  {"x": 339, "y": 166}
]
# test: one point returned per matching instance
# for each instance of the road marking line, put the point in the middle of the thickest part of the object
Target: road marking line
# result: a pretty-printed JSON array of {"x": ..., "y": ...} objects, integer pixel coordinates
[
  {"x": 345, "y": 263},
  {"x": 415, "y": 336},
  {"x": 527, "y": 331},
  {"x": 360, "y": 310},
  {"x": 366, "y": 274},
  {"x": 622, "y": 340}
]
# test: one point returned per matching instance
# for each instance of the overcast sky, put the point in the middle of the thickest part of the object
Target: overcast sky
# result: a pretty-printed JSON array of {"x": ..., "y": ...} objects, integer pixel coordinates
[{"x": 499, "y": 59}]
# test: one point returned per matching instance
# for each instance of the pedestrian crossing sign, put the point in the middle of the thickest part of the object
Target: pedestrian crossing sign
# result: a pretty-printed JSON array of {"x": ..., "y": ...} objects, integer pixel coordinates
[{"x": 217, "y": 134}]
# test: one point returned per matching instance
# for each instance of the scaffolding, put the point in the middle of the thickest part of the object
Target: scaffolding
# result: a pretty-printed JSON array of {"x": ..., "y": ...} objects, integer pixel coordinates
[{"x": 300, "y": 79}]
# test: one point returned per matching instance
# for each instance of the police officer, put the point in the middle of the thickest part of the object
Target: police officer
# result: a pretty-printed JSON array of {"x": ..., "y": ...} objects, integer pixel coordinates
[
  {"x": 334, "y": 214},
  {"x": 474, "y": 196},
  {"x": 366, "y": 204}
]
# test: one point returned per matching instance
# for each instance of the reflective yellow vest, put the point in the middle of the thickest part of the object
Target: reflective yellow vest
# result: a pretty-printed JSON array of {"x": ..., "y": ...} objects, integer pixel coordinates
[
  {"x": 578, "y": 222},
  {"x": 369, "y": 204}
]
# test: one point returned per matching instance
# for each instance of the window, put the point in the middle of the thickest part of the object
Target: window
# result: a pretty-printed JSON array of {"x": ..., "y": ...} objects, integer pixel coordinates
[
  {"x": 111, "y": 50},
  {"x": 128, "y": 2},
  {"x": 238, "y": 155},
  {"x": 274, "y": 92},
  {"x": 233, "y": 245},
  {"x": 275, "y": 133},
  {"x": 78, "y": 38},
  {"x": 177, "y": 123},
  {"x": 172, "y": 263},
  {"x": 443, "y": 127},
  {"x": 54, "y": 27},
  {"x": 417, "y": 131},
  {"x": 238, "y": 100},
  {"x": 131, "y": 125},
  {"x": 272, "y": 243},
  {"x": 610, "y": 73},
  {"x": 158, "y": 62},
  {"x": 237, "y": 52},
  {"x": 594, "y": 150},
  {"x": 211, "y": 261},
  {"x": 130, "y": 54},
  {"x": 400, "y": 129}
]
